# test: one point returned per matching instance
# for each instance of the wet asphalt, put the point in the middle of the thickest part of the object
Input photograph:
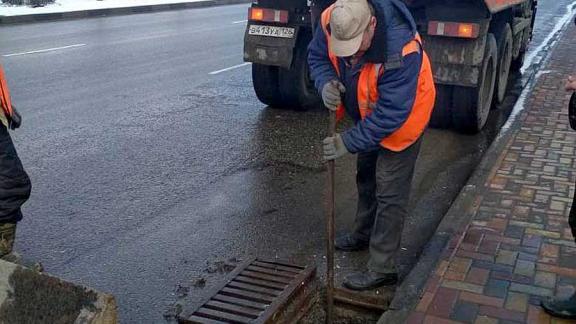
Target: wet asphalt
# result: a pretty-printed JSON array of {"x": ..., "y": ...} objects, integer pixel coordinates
[{"x": 150, "y": 174}]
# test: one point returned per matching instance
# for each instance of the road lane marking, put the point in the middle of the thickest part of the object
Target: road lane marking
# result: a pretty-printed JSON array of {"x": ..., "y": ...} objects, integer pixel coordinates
[
  {"x": 240, "y": 22},
  {"x": 230, "y": 68},
  {"x": 44, "y": 50}
]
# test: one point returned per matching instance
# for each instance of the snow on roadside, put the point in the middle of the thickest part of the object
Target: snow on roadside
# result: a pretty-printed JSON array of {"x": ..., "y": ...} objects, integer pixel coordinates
[
  {"x": 79, "y": 5},
  {"x": 536, "y": 58}
]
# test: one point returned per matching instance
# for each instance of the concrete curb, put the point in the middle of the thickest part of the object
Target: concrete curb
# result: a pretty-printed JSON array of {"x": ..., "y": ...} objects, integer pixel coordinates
[
  {"x": 115, "y": 11},
  {"x": 455, "y": 223}
]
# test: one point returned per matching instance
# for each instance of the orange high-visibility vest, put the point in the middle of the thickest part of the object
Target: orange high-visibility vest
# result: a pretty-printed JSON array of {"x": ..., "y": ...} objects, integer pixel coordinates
[
  {"x": 368, "y": 94},
  {"x": 5, "y": 102}
]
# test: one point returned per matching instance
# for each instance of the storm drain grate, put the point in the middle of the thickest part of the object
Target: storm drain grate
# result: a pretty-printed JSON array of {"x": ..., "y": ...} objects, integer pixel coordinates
[{"x": 257, "y": 291}]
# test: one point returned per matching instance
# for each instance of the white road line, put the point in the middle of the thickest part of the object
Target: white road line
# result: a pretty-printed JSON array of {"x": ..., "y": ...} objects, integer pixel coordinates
[
  {"x": 240, "y": 22},
  {"x": 44, "y": 50},
  {"x": 230, "y": 68}
]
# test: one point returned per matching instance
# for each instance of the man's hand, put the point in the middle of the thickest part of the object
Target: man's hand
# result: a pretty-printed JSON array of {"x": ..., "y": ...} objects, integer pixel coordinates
[
  {"x": 332, "y": 94},
  {"x": 334, "y": 147},
  {"x": 571, "y": 84}
]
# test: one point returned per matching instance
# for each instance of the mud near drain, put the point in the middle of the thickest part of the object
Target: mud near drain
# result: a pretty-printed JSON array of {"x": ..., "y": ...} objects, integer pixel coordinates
[{"x": 343, "y": 313}]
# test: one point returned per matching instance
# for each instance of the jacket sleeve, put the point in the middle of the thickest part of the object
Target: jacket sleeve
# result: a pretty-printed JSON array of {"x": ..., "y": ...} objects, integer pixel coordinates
[
  {"x": 321, "y": 69},
  {"x": 397, "y": 93}
]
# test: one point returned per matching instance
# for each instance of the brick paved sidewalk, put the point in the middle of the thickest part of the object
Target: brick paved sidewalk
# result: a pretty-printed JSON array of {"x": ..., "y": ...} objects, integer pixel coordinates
[{"x": 518, "y": 248}]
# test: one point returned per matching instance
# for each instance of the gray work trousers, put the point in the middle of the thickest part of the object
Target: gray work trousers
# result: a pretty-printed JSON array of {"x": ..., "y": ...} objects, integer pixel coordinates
[{"x": 384, "y": 180}]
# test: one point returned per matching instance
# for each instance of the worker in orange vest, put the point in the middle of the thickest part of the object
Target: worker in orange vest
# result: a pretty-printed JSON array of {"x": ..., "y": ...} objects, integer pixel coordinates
[
  {"x": 367, "y": 61},
  {"x": 15, "y": 184}
]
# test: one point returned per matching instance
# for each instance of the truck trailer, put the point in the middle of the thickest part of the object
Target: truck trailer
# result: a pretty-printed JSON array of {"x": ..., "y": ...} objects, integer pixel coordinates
[{"x": 472, "y": 44}]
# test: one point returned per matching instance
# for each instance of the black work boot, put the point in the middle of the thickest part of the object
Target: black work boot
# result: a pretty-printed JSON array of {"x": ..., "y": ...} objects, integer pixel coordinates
[
  {"x": 349, "y": 243},
  {"x": 368, "y": 280},
  {"x": 563, "y": 308}
]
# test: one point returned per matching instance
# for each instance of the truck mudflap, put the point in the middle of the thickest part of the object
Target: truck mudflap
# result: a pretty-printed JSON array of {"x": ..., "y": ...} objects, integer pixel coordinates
[{"x": 268, "y": 50}]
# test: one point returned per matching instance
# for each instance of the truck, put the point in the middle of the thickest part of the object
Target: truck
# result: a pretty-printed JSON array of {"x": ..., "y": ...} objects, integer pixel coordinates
[{"x": 473, "y": 46}]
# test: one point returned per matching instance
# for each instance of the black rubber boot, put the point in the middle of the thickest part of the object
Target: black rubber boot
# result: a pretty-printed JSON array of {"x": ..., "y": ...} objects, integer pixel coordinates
[
  {"x": 563, "y": 308},
  {"x": 349, "y": 243},
  {"x": 369, "y": 280}
]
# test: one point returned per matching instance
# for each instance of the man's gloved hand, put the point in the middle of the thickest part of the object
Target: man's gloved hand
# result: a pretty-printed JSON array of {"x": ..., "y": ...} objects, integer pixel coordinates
[
  {"x": 15, "y": 120},
  {"x": 332, "y": 94},
  {"x": 334, "y": 147},
  {"x": 570, "y": 84}
]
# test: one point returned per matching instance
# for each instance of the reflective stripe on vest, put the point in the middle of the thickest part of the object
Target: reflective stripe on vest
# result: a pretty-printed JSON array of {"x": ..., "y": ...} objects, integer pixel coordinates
[
  {"x": 5, "y": 102},
  {"x": 368, "y": 94}
]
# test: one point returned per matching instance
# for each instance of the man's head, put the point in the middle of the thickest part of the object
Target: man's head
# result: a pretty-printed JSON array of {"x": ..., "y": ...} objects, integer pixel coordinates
[{"x": 352, "y": 26}]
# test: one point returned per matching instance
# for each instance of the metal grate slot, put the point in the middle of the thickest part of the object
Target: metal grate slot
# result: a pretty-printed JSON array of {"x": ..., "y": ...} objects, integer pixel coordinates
[{"x": 258, "y": 291}]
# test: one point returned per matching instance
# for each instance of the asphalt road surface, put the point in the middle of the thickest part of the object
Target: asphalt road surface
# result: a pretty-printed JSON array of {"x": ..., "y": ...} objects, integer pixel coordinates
[{"x": 154, "y": 165}]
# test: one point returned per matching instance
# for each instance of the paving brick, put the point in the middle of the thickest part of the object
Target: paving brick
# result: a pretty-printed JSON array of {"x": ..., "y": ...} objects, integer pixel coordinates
[
  {"x": 492, "y": 266},
  {"x": 465, "y": 312},
  {"x": 475, "y": 256},
  {"x": 415, "y": 318},
  {"x": 550, "y": 250},
  {"x": 477, "y": 276},
  {"x": 537, "y": 232},
  {"x": 517, "y": 302},
  {"x": 460, "y": 265},
  {"x": 482, "y": 319},
  {"x": 525, "y": 268},
  {"x": 501, "y": 313},
  {"x": 527, "y": 256},
  {"x": 531, "y": 240},
  {"x": 557, "y": 270},
  {"x": 496, "y": 288},
  {"x": 481, "y": 299},
  {"x": 514, "y": 231},
  {"x": 506, "y": 257},
  {"x": 425, "y": 302},
  {"x": 537, "y": 315},
  {"x": 526, "y": 224},
  {"x": 510, "y": 277},
  {"x": 464, "y": 286},
  {"x": 532, "y": 290},
  {"x": 437, "y": 320},
  {"x": 545, "y": 279},
  {"x": 443, "y": 302},
  {"x": 488, "y": 247}
]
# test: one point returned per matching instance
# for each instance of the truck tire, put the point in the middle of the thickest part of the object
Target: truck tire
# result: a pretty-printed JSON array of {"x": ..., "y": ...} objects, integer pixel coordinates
[
  {"x": 442, "y": 113},
  {"x": 472, "y": 104},
  {"x": 296, "y": 86},
  {"x": 265, "y": 81},
  {"x": 504, "y": 43}
]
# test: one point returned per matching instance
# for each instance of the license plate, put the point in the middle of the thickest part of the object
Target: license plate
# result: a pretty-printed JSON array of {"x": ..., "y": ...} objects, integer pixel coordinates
[{"x": 272, "y": 31}]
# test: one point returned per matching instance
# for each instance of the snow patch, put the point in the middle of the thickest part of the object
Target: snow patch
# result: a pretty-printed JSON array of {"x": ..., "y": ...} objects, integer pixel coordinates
[
  {"x": 540, "y": 54},
  {"x": 80, "y": 5}
]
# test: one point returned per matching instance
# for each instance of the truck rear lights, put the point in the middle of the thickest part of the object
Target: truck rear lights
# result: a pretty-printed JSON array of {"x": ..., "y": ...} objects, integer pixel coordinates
[
  {"x": 453, "y": 29},
  {"x": 268, "y": 15}
]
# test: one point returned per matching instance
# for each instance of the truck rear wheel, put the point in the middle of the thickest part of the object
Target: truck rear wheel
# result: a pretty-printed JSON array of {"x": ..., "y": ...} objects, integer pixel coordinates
[
  {"x": 442, "y": 113},
  {"x": 504, "y": 42},
  {"x": 472, "y": 105},
  {"x": 265, "y": 81},
  {"x": 297, "y": 88}
]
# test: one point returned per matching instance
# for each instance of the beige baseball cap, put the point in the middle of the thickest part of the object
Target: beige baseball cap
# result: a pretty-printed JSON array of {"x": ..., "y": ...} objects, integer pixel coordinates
[{"x": 348, "y": 21}]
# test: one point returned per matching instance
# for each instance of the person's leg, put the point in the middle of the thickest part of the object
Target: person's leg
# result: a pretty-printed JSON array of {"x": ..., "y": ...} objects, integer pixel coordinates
[
  {"x": 366, "y": 208},
  {"x": 14, "y": 191},
  {"x": 394, "y": 171},
  {"x": 564, "y": 307},
  {"x": 394, "y": 174}
]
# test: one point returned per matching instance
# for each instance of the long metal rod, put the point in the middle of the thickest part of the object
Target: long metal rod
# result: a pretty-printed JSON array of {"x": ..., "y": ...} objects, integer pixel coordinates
[{"x": 330, "y": 208}]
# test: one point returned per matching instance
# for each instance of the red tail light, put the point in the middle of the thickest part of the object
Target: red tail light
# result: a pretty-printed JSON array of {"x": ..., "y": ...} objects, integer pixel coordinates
[
  {"x": 453, "y": 29},
  {"x": 268, "y": 15}
]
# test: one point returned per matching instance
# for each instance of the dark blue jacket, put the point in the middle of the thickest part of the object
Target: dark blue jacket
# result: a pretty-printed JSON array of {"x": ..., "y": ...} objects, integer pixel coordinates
[{"x": 397, "y": 86}]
